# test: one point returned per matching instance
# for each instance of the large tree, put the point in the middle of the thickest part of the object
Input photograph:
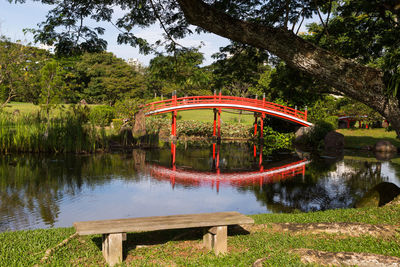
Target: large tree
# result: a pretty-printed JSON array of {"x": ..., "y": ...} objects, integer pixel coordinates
[
  {"x": 19, "y": 71},
  {"x": 181, "y": 72},
  {"x": 238, "y": 69},
  {"x": 271, "y": 25},
  {"x": 104, "y": 78}
]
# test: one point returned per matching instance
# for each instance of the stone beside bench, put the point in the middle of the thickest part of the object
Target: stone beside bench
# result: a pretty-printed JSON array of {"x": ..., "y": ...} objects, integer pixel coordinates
[{"x": 114, "y": 231}]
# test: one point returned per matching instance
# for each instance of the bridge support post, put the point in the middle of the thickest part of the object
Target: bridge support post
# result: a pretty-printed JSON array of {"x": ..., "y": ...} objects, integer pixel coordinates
[
  {"x": 173, "y": 125},
  {"x": 261, "y": 158},
  {"x": 262, "y": 126},
  {"x": 173, "y": 154},
  {"x": 215, "y": 123},
  {"x": 255, "y": 124},
  {"x": 219, "y": 125},
  {"x": 173, "y": 157}
]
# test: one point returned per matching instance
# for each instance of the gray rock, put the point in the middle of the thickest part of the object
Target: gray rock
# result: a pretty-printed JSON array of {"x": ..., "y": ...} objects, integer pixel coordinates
[
  {"x": 384, "y": 146},
  {"x": 301, "y": 134},
  {"x": 333, "y": 141}
]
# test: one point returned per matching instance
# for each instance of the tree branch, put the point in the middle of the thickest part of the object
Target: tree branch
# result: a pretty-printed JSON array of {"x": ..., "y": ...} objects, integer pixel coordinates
[
  {"x": 295, "y": 51},
  {"x": 322, "y": 21},
  {"x": 163, "y": 26},
  {"x": 301, "y": 23},
  {"x": 357, "y": 81}
]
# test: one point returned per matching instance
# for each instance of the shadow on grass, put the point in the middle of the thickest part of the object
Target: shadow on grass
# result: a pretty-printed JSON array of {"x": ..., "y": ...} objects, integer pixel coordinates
[{"x": 152, "y": 238}]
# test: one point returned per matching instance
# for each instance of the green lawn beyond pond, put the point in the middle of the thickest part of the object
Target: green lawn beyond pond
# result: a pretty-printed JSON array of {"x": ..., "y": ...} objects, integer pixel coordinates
[
  {"x": 183, "y": 247},
  {"x": 360, "y": 138}
]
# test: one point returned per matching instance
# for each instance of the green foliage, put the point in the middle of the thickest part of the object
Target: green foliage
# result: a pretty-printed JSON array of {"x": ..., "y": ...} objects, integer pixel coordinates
[
  {"x": 104, "y": 78},
  {"x": 367, "y": 32},
  {"x": 52, "y": 86},
  {"x": 31, "y": 133},
  {"x": 19, "y": 70},
  {"x": 333, "y": 121},
  {"x": 238, "y": 70},
  {"x": 195, "y": 128},
  {"x": 274, "y": 140},
  {"x": 360, "y": 112},
  {"x": 318, "y": 133},
  {"x": 128, "y": 107},
  {"x": 323, "y": 108},
  {"x": 181, "y": 72},
  {"x": 296, "y": 88},
  {"x": 101, "y": 115},
  {"x": 117, "y": 124}
]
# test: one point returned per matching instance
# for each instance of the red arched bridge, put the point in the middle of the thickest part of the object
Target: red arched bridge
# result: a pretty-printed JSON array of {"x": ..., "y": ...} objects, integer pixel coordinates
[{"x": 219, "y": 102}]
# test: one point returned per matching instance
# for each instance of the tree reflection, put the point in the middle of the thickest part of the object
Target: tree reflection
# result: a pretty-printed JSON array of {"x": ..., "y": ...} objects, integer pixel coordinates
[
  {"x": 31, "y": 186},
  {"x": 325, "y": 186}
]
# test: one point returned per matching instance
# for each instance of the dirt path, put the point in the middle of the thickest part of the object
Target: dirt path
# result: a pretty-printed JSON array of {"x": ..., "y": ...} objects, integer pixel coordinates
[
  {"x": 346, "y": 258},
  {"x": 348, "y": 229}
]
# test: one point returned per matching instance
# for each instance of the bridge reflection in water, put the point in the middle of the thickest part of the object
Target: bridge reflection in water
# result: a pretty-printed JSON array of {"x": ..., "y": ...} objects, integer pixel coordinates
[{"x": 215, "y": 178}]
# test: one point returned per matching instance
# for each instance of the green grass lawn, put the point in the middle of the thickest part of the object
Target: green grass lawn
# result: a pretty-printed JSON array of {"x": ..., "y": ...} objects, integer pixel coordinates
[
  {"x": 26, "y": 248},
  {"x": 23, "y": 108},
  {"x": 359, "y": 138}
]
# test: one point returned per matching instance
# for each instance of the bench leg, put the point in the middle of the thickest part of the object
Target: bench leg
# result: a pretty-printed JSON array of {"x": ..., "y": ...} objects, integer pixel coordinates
[
  {"x": 216, "y": 238},
  {"x": 112, "y": 248}
]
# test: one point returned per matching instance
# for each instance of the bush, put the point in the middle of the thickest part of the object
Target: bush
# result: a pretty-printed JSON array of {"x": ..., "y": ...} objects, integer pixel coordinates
[
  {"x": 196, "y": 128},
  {"x": 318, "y": 133},
  {"x": 101, "y": 115},
  {"x": 333, "y": 121},
  {"x": 117, "y": 124},
  {"x": 276, "y": 140}
]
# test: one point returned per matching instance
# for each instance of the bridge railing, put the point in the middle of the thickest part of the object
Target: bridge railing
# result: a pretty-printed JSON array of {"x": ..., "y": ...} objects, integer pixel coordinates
[{"x": 230, "y": 100}]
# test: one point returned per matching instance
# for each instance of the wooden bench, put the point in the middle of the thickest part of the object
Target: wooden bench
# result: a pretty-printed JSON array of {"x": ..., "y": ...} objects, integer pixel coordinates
[{"x": 114, "y": 231}]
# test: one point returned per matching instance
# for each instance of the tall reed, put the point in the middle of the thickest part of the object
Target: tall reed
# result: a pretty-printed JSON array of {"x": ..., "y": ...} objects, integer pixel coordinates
[{"x": 34, "y": 133}]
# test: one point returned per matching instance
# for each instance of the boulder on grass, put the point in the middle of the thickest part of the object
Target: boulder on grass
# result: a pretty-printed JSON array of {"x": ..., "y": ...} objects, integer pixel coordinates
[
  {"x": 384, "y": 146},
  {"x": 333, "y": 141}
]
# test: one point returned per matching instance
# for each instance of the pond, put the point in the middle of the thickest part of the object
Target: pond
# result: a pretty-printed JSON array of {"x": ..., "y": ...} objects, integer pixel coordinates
[{"x": 42, "y": 191}]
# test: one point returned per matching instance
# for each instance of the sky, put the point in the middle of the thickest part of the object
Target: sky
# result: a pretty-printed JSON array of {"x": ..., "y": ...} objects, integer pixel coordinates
[{"x": 15, "y": 17}]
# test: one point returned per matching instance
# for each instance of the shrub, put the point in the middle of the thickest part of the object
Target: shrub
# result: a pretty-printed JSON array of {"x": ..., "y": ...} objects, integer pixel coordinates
[
  {"x": 101, "y": 115},
  {"x": 333, "y": 121},
  {"x": 196, "y": 128},
  {"x": 321, "y": 128},
  {"x": 117, "y": 124}
]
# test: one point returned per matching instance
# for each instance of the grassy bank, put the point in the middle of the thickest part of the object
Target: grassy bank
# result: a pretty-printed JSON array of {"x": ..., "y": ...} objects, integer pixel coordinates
[
  {"x": 28, "y": 247},
  {"x": 35, "y": 133},
  {"x": 360, "y": 138}
]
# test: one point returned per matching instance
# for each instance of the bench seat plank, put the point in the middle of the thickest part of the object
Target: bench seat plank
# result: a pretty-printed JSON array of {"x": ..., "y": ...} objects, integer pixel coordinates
[{"x": 161, "y": 223}]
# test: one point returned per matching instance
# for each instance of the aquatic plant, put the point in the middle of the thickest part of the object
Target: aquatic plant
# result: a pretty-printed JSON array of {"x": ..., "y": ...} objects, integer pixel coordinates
[{"x": 35, "y": 133}]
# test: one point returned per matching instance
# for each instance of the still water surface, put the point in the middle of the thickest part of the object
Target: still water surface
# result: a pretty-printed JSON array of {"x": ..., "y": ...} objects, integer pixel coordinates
[{"x": 54, "y": 191}]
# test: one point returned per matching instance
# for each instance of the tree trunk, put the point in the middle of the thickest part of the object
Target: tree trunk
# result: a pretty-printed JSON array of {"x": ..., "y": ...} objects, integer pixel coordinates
[{"x": 357, "y": 81}]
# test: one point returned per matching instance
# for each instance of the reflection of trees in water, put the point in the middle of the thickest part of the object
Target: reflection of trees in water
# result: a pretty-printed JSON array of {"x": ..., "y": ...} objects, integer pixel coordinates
[
  {"x": 325, "y": 186},
  {"x": 32, "y": 186}
]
